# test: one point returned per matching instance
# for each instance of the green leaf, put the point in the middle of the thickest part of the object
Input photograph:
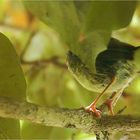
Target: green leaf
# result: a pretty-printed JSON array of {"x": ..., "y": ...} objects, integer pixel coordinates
[
  {"x": 12, "y": 84},
  {"x": 109, "y": 15},
  {"x": 68, "y": 18},
  {"x": 60, "y": 15},
  {"x": 93, "y": 44},
  {"x": 65, "y": 18}
]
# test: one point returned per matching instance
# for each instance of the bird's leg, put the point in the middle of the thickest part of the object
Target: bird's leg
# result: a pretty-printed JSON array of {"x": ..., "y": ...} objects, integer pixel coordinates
[
  {"x": 112, "y": 101},
  {"x": 92, "y": 107},
  {"x": 109, "y": 103}
]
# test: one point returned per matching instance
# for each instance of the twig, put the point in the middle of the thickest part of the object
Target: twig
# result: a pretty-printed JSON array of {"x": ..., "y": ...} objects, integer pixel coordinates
[
  {"x": 68, "y": 118},
  {"x": 53, "y": 60},
  {"x": 121, "y": 110}
]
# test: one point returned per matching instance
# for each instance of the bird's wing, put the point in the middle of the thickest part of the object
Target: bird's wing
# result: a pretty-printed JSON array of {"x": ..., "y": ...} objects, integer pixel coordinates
[{"x": 115, "y": 44}]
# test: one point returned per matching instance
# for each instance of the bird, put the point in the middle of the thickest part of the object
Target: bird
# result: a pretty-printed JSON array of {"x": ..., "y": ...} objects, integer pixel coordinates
[{"x": 115, "y": 70}]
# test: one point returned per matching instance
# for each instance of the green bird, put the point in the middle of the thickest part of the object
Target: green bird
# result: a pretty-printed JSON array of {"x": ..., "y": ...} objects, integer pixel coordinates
[{"x": 115, "y": 70}]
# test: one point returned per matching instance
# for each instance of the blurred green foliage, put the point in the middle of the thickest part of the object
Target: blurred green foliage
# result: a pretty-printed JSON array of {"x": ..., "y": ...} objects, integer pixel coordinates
[{"x": 42, "y": 49}]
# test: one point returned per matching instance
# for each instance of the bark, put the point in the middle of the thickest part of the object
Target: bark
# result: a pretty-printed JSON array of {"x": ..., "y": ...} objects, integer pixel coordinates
[{"x": 66, "y": 118}]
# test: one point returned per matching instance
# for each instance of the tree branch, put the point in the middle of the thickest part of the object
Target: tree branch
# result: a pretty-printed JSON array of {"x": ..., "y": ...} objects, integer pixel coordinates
[
  {"x": 53, "y": 60},
  {"x": 68, "y": 118}
]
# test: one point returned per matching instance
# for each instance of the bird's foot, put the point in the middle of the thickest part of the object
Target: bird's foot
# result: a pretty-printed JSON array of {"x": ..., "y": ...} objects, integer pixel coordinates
[
  {"x": 109, "y": 103},
  {"x": 92, "y": 108}
]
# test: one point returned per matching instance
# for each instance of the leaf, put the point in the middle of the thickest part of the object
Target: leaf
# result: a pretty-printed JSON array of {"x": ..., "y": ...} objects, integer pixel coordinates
[
  {"x": 60, "y": 15},
  {"x": 93, "y": 44},
  {"x": 109, "y": 15},
  {"x": 66, "y": 19},
  {"x": 12, "y": 84},
  {"x": 71, "y": 19}
]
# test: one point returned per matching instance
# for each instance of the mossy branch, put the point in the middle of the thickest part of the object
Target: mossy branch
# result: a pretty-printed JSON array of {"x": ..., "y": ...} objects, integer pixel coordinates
[{"x": 66, "y": 118}]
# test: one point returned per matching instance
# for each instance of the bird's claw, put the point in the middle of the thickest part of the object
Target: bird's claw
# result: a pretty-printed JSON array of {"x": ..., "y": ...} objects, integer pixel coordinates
[
  {"x": 109, "y": 103},
  {"x": 94, "y": 110}
]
